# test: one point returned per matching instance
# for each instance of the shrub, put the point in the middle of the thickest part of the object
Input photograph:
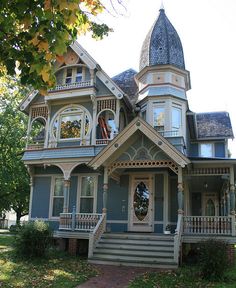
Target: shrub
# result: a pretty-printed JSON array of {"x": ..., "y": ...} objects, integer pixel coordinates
[
  {"x": 14, "y": 228},
  {"x": 213, "y": 259},
  {"x": 33, "y": 239}
]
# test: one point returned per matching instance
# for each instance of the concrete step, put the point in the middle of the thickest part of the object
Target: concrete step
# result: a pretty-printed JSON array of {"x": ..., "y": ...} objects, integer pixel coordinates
[
  {"x": 133, "y": 258},
  {"x": 128, "y": 252},
  {"x": 137, "y": 242},
  {"x": 134, "y": 264},
  {"x": 145, "y": 247},
  {"x": 145, "y": 236},
  {"x": 134, "y": 249}
]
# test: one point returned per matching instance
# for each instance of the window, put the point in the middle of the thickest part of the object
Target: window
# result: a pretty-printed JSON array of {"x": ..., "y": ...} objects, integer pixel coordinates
[
  {"x": 72, "y": 123},
  {"x": 159, "y": 118},
  {"x": 57, "y": 197},
  {"x": 79, "y": 75},
  {"x": 176, "y": 118},
  {"x": 68, "y": 76},
  {"x": 206, "y": 150},
  {"x": 87, "y": 194}
]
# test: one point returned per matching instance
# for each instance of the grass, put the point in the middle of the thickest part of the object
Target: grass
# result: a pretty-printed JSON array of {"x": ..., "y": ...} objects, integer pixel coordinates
[
  {"x": 56, "y": 271},
  {"x": 182, "y": 278}
]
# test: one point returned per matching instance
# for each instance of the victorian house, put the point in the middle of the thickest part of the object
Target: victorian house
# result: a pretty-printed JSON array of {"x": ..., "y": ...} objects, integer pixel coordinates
[{"x": 121, "y": 166}]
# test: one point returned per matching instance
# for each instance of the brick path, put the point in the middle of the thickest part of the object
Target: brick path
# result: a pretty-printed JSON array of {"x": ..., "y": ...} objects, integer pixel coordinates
[{"x": 113, "y": 276}]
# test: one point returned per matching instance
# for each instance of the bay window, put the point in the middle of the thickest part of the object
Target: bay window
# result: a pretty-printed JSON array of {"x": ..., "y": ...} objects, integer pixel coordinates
[
  {"x": 159, "y": 118},
  {"x": 206, "y": 150}
]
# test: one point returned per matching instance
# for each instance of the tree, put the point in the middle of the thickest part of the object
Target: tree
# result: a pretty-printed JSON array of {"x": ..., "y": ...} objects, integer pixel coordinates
[
  {"x": 14, "y": 179},
  {"x": 35, "y": 33}
]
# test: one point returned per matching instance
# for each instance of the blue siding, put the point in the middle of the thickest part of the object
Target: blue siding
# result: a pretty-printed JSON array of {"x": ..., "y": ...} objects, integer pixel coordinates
[
  {"x": 118, "y": 199},
  {"x": 102, "y": 90},
  {"x": 158, "y": 197},
  {"x": 73, "y": 192},
  {"x": 173, "y": 200},
  {"x": 220, "y": 149},
  {"x": 193, "y": 150},
  {"x": 41, "y": 197},
  {"x": 100, "y": 194},
  {"x": 158, "y": 228}
]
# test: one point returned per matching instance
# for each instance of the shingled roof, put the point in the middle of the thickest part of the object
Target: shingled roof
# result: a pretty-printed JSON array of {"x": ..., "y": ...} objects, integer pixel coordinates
[
  {"x": 162, "y": 45},
  {"x": 214, "y": 125},
  {"x": 125, "y": 80}
]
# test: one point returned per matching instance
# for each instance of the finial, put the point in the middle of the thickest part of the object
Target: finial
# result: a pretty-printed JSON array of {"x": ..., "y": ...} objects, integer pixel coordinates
[{"x": 162, "y": 5}]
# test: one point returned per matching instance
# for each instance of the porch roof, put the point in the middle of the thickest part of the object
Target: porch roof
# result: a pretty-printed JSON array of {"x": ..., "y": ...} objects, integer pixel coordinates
[{"x": 117, "y": 145}]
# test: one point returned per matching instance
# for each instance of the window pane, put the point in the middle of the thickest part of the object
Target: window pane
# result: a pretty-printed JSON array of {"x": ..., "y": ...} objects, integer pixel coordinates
[
  {"x": 206, "y": 150},
  {"x": 176, "y": 118},
  {"x": 159, "y": 117},
  {"x": 71, "y": 126},
  {"x": 58, "y": 188},
  {"x": 78, "y": 77},
  {"x": 68, "y": 76},
  {"x": 86, "y": 205},
  {"x": 87, "y": 186},
  {"x": 57, "y": 206}
]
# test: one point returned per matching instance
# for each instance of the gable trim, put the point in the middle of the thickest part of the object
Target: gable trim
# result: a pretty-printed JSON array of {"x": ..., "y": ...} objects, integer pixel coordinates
[{"x": 138, "y": 124}]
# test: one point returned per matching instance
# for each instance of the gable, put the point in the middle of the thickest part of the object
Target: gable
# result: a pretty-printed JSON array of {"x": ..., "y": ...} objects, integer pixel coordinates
[
  {"x": 143, "y": 149},
  {"x": 122, "y": 145}
]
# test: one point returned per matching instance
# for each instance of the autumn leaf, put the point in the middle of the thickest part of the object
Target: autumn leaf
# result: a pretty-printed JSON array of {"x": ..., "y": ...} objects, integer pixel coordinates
[
  {"x": 43, "y": 46},
  {"x": 45, "y": 72},
  {"x": 47, "y": 4}
]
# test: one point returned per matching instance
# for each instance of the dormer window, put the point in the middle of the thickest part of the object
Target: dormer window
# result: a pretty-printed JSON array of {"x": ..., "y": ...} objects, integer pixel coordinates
[{"x": 74, "y": 75}]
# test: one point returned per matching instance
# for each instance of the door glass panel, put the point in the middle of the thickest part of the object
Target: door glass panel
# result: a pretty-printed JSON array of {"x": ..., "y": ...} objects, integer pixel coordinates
[
  {"x": 210, "y": 208},
  {"x": 141, "y": 201}
]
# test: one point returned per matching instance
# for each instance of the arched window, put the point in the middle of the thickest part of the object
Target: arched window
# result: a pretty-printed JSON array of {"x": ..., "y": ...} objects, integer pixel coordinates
[
  {"x": 72, "y": 123},
  {"x": 37, "y": 131},
  {"x": 106, "y": 127}
]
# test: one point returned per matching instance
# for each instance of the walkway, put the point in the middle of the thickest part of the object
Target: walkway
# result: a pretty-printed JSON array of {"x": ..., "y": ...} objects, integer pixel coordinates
[{"x": 114, "y": 276}]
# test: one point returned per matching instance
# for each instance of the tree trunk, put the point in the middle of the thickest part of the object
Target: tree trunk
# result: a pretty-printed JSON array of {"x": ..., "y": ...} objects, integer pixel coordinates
[{"x": 18, "y": 216}]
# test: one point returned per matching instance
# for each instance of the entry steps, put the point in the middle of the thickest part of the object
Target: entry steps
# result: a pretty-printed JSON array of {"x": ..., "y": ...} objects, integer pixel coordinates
[{"x": 135, "y": 249}]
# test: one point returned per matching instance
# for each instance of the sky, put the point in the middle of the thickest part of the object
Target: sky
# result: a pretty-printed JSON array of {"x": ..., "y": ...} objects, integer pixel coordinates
[{"x": 207, "y": 29}]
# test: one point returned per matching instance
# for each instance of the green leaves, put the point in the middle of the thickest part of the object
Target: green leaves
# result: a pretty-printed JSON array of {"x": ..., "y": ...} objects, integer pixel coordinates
[{"x": 37, "y": 32}]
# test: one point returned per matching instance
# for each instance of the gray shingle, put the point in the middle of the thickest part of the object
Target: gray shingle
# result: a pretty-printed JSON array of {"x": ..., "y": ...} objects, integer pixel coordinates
[
  {"x": 162, "y": 45},
  {"x": 214, "y": 125}
]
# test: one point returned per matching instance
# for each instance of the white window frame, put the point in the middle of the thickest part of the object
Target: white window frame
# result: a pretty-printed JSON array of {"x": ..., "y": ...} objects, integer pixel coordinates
[
  {"x": 58, "y": 116},
  {"x": 159, "y": 106},
  {"x": 53, "y": 181},
  {"x": 177, "y": 129},
  {"x": 80, "y": 190},
  {"x": 74, "y": 74},
  {"x": 200, "y": 150}
]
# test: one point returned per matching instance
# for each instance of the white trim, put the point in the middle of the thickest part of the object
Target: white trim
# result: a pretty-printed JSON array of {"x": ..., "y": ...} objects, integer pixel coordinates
[
  {"x": 53, "y": 178},
  {"x": 84, "y": 112},
  {"x": 150, "y": 226}
]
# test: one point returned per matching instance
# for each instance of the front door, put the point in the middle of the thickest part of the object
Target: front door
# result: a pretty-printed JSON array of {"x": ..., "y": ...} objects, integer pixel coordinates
[{"x": 141, "y": 204}]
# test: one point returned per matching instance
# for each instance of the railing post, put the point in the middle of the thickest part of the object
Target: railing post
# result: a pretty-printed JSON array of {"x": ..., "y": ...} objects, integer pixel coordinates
[
  {"x": 91, "y": 244},
  {"x": 73, "y": 219},
  {"x": 233, "y": 225}
]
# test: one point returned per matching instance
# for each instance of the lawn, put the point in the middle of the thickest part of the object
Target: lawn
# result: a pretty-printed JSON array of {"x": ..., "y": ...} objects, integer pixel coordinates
[
  {"x": 184, "y": 277},
  {"x": 57, "y": 270}
]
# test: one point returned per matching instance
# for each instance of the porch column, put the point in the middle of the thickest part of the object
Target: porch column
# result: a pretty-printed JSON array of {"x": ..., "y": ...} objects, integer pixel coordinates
[
  {"x": 105, "y": 188},
  {"x": 232, "y": 191},
  {"x": 66, "y": 195},
  {"x": 180, "y": 191}
]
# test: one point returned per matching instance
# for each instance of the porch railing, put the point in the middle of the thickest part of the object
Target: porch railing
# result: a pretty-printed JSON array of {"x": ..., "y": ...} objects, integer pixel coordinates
[
  {"x": 95, "y": 235},
  {"x": 213, "y": 225},
  {"x": 85, "y": 222},
  {"x": 72, "y": 85}
]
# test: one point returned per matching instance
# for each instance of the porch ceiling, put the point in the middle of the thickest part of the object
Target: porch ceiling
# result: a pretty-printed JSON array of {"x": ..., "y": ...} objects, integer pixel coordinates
[{"x": 205, "y": 183}]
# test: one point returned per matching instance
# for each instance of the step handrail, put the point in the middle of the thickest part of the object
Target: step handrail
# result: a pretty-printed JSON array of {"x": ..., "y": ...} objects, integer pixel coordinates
[
  {"x": 95, "y": 235},
  {"x": 178, "y": 238}
]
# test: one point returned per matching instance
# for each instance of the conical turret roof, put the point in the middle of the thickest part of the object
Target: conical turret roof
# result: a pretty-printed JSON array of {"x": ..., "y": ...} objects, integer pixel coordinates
[{"x": 162, "y": 45}]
